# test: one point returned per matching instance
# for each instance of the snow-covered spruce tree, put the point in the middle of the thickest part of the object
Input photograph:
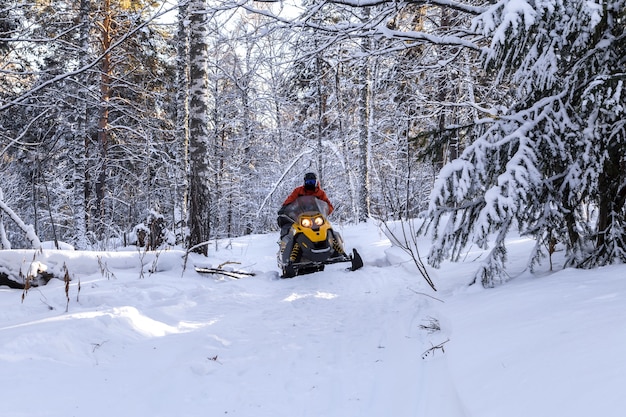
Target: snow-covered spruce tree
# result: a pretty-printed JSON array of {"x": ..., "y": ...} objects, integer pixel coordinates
[
  {"x": 599, "y": 116},
  {"x": 553, "y": 157}
]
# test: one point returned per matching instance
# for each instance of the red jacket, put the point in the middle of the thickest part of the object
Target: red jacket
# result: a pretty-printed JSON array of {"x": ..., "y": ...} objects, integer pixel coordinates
[{"x": 318, "y": 192}]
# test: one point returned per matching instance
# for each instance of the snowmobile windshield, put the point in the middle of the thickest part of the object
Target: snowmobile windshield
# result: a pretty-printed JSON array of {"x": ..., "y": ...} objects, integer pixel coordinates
[{"x": 307, "y": 204}]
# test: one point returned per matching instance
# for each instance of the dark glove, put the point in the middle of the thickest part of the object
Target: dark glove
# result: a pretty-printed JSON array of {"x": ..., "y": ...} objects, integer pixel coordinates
[{"x": 282, "y": 210}]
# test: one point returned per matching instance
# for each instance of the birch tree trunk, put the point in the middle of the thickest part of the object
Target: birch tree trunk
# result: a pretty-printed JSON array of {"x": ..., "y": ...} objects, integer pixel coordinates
[
  {"x": 182, "y": 97},
  {"x": 364, "y": 198},
  {"x": 78, "y": 153},
  {"x": 199, "y": 175}
]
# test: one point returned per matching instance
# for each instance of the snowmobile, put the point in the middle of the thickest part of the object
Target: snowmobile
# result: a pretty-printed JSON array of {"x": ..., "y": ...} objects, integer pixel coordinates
[{"x": 308, "y": 241}]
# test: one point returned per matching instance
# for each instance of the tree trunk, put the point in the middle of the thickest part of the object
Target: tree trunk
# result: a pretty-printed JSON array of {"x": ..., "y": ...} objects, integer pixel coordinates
[
  {"x": 106, "y": 70},
  {"x": 611, "y": 195},
  {"x": 182, "y": 98},
  {"x": 78, "y": 153},
  {"x": 321, "y": 115},
  {"x": 364, "y": 198},
  {"x": 199, "y": 196}
]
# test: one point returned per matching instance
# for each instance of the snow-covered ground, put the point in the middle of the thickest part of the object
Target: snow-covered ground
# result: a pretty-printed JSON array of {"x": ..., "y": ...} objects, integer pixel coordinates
[{"x": 140, "y": 336}]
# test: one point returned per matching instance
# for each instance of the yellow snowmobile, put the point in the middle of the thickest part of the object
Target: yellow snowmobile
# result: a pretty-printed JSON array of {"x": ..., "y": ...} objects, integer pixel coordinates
[{"x": 308, "y": 241}]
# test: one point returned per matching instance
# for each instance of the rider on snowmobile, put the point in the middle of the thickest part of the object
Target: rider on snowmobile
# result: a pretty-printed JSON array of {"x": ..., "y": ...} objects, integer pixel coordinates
[
  {"x": 311, "y": 243},
  {"x": 311, "y": 186}
]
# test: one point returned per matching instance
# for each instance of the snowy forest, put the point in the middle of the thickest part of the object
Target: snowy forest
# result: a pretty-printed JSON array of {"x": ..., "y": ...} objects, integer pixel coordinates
[{"x": 161, "y": 123}]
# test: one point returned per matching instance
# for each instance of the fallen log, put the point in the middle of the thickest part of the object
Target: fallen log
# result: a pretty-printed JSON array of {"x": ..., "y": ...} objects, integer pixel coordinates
[
  {"x": 42, "y": 278},
  {"x": 228, "y": 273},
  {"x": 5, "y": 280}
]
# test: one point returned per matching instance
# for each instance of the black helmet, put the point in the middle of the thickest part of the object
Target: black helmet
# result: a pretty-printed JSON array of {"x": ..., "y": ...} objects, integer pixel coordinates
[{"x": 310, "y": 181}]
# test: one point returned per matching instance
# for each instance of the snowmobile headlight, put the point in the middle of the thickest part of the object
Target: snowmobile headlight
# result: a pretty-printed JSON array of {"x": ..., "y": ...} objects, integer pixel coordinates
[
  {"x": 319, "y": 220},
  {"x": 306, "y": 222}
]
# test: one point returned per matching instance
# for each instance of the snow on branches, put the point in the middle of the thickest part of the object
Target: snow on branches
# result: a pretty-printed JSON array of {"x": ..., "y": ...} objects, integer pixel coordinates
[{"x": 554, "y": 164}]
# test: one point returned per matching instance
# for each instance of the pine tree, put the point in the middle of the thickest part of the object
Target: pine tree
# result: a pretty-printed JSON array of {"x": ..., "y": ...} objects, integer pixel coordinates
[{"x": 543, "y": 163}]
